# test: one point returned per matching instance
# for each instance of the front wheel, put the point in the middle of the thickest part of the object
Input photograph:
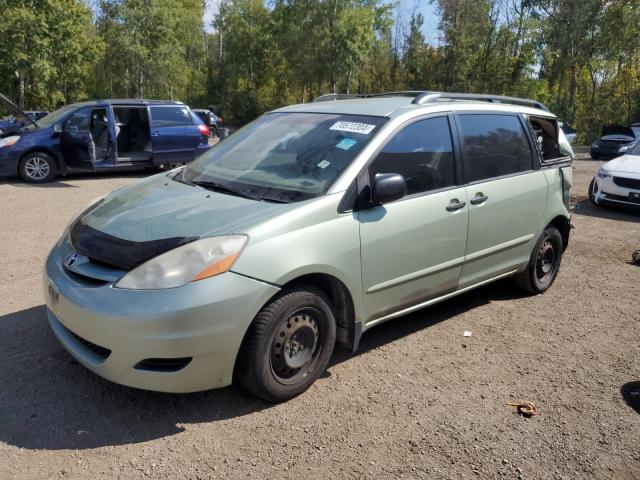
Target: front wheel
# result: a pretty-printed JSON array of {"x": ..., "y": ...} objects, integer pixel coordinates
[
  {"x": 544, "y": 263},
  {"x": 37, "y": 167},
  {"x": 592, "y": 195},
  {"x": 288, "y": 345}
]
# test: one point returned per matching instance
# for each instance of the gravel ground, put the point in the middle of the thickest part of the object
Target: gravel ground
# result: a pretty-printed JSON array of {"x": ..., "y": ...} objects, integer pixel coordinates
[{"x": 418, "y": 400}]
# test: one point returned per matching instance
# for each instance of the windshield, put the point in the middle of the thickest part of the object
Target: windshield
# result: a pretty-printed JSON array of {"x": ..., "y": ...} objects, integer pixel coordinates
[
  {"x": 53, "y": 117},
  {"x": 285, "y": 156}
]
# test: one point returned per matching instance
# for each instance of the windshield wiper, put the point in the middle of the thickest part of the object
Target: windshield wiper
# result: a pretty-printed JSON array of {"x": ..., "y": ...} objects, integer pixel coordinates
[{"x": 219, "y": 187}]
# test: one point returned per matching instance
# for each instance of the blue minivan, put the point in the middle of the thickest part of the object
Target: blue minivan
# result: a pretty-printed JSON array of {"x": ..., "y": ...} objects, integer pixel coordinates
[{"x": 101, "y": 135}]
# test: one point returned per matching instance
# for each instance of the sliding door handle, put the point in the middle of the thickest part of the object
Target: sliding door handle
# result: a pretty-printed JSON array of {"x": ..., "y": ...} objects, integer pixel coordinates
[
  {"x": 455, "y": 205},
  {"x": 478, "y": 199}
]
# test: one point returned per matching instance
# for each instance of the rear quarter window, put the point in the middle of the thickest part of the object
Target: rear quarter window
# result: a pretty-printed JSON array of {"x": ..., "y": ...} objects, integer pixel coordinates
[
  {"x": 170, "y": 116},
  {"x": 493, "y": 146}
]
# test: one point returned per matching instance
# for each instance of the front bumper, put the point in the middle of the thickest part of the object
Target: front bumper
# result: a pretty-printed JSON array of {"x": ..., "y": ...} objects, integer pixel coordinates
[
  {"x": 606, "y": 192},
  {"x": 204, "y": 321}
]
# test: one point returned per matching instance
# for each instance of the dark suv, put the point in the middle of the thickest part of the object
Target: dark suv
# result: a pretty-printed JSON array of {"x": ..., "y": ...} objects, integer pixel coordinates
[
  {"x": 101, "y": 135},
  {"x": 612, "y": 139},
  {"x": 211, "y": 120}
]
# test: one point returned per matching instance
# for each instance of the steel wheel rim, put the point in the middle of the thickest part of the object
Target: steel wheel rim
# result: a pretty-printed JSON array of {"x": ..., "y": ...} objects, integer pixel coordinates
[
  {"x": 545, "y": 260},
  {"x": 37, "y": 168},
  {"x": 296, "y": 346}
]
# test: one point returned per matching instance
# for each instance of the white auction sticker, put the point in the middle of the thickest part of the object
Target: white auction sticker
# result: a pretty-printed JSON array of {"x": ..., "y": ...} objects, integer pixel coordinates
[{"x": 353, "y": 127}]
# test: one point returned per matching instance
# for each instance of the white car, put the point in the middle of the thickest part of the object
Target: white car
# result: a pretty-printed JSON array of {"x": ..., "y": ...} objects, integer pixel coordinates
[{"x": 618, "y": 181}]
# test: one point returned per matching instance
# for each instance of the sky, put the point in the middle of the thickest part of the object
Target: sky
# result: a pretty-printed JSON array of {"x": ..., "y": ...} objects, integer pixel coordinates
[{"x": 429, "y": 29}]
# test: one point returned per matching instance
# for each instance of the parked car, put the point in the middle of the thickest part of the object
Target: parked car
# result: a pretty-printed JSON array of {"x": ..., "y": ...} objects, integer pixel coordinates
[
  {"x": 304, "y": 229},
  {"x": 612, "y": 139},
  {"x": 211, "y": 120},
  {"x": 101, "y": 135},
  {"x": 12, "y": 123},
  {"x": 618, "y": 181}
]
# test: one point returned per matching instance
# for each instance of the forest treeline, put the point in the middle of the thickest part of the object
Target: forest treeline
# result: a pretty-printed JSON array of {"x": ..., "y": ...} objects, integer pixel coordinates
[{"x": 581, "y": 57}]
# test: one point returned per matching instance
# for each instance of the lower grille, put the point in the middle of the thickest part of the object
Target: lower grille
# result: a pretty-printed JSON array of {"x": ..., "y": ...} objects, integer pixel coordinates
[
  {"x": 101, "y": 352},
  {"x": 163, "y": 364},
  {"x": 627, "y": 182}
]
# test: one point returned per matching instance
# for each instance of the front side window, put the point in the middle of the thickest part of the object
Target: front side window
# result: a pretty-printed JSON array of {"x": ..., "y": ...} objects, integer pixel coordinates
[
  {"x": 170, "y": 116},
  {"x": 79, "y": 121},
  {"x": 284, "y": 156},
  {"x": 493, "y": 145},
  {"x": 422, "y": 153}
]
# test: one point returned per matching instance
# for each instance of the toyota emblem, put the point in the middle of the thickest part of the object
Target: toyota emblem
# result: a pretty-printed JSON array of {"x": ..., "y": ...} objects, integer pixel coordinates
[{"x": 71, "y": 259}]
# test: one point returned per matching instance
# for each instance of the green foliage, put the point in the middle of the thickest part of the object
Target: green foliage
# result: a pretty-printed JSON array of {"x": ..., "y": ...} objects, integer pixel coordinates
[{"x": 581, "y": 57}]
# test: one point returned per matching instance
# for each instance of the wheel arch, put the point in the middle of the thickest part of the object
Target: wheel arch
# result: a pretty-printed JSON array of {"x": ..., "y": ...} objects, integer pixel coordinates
[
  {"x": 348, "y": 330},
  {"x": 563, "y": 224}
]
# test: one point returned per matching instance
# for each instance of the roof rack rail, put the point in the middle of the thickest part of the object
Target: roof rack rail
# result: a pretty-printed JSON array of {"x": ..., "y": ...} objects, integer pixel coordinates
[
  {"x": 350, "y": 96},
  {"x": 429, "y": 97}
]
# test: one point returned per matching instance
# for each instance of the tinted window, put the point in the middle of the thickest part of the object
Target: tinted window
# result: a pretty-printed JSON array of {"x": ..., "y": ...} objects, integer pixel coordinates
[
  {"x": 79, "y": 121},
  {"x": 493, "y": 145},
  {"x": 422, "y": 153},
  {"x": 170, "y": 116}
]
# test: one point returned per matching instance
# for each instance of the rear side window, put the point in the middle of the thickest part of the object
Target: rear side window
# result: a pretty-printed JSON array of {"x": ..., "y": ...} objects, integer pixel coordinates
[
  {"x": 545, "y": 132},
  {"x": 170, "y": 116},
  {"x": 422, "y": 153},
  {"x": 493, "y": 145}
]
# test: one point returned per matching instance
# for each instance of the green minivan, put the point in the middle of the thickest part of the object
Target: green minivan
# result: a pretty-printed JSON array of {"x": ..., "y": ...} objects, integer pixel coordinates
[{"x": 304, "y": 229}]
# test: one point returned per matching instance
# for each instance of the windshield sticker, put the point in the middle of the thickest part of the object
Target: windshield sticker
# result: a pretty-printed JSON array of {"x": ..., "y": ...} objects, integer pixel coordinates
[
  {"x": 324, "y": 164},
  {"x": 346, "y": 143},
  {"x": 353, "y": 127}
]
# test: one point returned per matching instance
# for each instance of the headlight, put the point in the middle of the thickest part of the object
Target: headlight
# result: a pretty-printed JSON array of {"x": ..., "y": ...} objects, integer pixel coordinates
[
  {"x": 9, "y": 141},
  {"x": 602, "y": 173},
  {"x": 191, "y": 262},
  {"x": 626, "y": 148}
]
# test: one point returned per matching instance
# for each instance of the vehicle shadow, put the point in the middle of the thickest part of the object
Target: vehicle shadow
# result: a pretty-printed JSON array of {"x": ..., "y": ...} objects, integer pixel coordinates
[
  {"x": 631, "y": 395},
  {"x": 62, "y": 182},
  {"x": 49, "y": 401},
  {"x": 588, "y": 209}
]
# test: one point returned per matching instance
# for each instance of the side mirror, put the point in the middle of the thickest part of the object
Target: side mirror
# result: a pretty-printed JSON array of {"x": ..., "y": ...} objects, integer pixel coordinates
[
  {"x": 388, "y": 187},
  {"x": 57, "y": 128}
]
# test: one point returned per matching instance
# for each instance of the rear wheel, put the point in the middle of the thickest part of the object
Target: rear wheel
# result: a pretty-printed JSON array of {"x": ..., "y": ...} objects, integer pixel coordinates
[
  {"x": 288, "y": 345},
  {"x": 544, "y": 263},
  {"x": 37, "y": 167}
]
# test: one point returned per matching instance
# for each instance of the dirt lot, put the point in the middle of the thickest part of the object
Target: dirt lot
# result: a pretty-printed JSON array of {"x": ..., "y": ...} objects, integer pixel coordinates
[{"x": 417, "y": 401}]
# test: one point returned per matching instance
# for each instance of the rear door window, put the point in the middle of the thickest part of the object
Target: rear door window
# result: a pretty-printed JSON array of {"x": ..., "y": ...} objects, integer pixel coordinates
[
  {"x": 545, "y": 132},
  {"x": 493, "y": 146},
  {"x": 422, "y": 153},
  {"x": 170, "y": 116}
]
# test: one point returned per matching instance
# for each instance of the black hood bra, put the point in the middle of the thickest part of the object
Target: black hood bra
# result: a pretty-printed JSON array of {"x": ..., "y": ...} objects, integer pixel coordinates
[{"x": 117, "y": 252}]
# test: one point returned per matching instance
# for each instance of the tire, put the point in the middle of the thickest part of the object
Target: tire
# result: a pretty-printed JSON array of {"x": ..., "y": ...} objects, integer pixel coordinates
[
  {"x": 592, "y": 196},
  {"x": 37, "y": 167},
  {"x": 595, "y": 156},
  {"x": 213, "y": 132},
  {"x": 270, "y": 368},
  {"x": 544, "y": 263}
]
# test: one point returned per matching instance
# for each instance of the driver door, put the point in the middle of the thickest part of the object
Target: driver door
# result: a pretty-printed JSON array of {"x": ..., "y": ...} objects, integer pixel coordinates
[{"x": 76, "y": 142}]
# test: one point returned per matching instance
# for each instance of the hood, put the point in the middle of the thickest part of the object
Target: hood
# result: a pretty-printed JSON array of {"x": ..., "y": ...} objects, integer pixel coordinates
[
  {"x": 625, "y": 163},
  {"x": 160, "y": 208},
  {"x": 618, "y": 138},
  {"x": 158, "y": 214},
  {"x": 15, "y": 111},
  {"x": 608, "y": 130}
]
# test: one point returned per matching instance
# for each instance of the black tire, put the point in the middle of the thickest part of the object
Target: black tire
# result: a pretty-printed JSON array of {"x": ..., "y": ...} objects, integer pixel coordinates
[
  {"x": 592, "y": 197},
  {"x": 213, "y": 132},
  {"x": 267, "y": 366},
  {"x": 37, "y": 167},
  {"x": 595, "y": 156},
  {"x": 544, "y": 263}
]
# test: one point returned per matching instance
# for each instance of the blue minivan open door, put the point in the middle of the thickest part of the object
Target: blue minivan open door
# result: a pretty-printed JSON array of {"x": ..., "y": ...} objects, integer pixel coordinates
[
  {"x": 76, "y": 142},
  {"x": 169, "y": 126}
]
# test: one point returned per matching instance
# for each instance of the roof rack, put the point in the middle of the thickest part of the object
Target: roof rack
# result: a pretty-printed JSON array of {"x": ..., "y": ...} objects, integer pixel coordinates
[
  {"x": 429, "y": 97},
  {"x": 422, "y": 97}
]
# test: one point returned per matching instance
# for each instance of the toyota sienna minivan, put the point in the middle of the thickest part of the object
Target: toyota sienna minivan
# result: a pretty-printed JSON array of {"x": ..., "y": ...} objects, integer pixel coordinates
[{"x": 305, "y": 229}]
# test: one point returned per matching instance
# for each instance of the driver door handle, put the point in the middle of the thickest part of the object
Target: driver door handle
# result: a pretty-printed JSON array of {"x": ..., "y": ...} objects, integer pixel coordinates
[
  {"x": 479, "y": 198},
  {"x": 455, "y": 205}
]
